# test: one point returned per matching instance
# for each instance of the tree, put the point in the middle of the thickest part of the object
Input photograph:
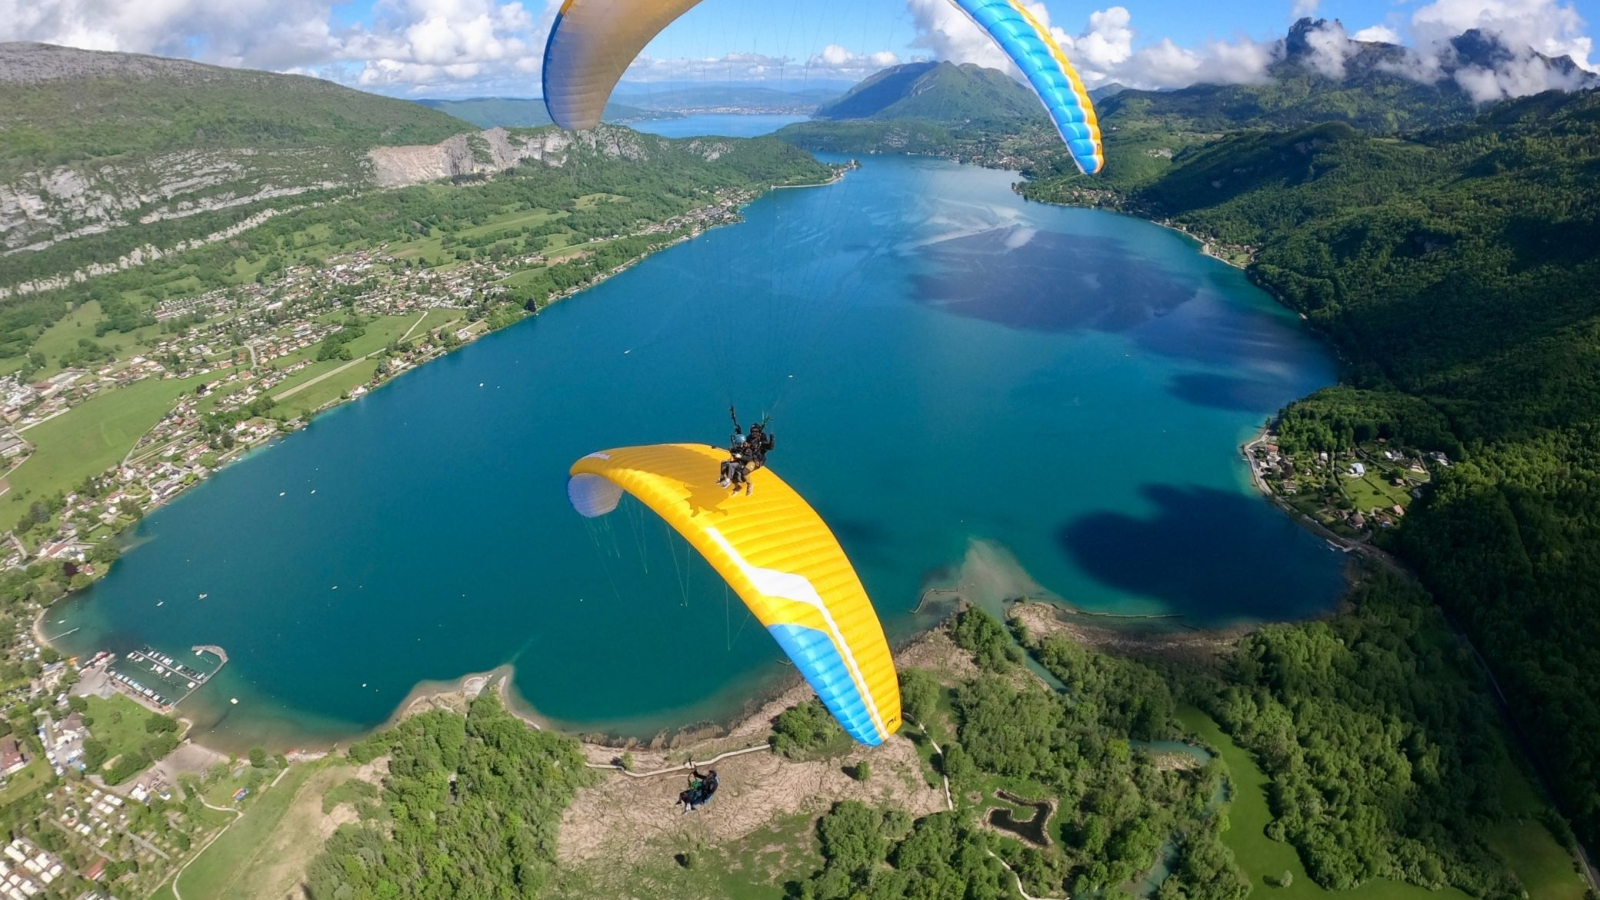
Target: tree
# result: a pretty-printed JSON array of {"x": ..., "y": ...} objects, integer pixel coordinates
[{"x": 258, "y": 757}]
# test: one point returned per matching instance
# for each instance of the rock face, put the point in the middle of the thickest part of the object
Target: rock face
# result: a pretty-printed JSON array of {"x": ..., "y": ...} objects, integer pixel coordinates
[
  {"x": 41, "y": 208},
  {"x": 497, "y": 149},
  {"x": 45, "y": 207}
]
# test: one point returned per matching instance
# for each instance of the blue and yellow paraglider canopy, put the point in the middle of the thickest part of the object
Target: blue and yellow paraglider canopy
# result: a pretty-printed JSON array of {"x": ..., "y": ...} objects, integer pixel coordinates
[
  {"x": 779, "y": 557},
  {"x": 594, "y": 41}
]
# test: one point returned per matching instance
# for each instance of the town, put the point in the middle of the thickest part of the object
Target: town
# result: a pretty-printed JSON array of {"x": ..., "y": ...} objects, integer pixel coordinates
[
  {"x": 1352, "y": 494},
  {"x": 106, "y": 795}
]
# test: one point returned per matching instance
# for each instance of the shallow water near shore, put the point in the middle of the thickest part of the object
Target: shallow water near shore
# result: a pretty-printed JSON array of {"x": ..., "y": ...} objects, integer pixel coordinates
[{"x": 944, "y": 362}]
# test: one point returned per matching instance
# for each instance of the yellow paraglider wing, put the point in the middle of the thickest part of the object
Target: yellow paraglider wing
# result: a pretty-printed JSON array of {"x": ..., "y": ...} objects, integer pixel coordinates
[{"x": 779, "y": 557}]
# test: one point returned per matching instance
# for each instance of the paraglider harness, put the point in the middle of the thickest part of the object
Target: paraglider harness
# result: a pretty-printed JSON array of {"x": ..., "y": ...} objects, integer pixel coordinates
[
  {"x": 745, "y": 454},
  {"x": 756, "y": 445},
  {"x": 701, "y": 789}
]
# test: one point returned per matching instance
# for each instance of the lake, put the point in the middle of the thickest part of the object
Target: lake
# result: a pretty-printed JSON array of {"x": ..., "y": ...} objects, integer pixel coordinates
[{"x": 966, "y": 385}]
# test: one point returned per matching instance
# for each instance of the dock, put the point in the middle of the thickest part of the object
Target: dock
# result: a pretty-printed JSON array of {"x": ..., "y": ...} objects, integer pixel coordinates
[{"x": 161, "y": 681}]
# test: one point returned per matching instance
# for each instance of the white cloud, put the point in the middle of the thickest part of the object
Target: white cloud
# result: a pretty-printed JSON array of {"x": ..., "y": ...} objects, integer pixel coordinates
[
  {"x": 1521, "y": 27},
  {"x": 1304, "y": 8},
  {"x": 1550, "y": 27},
  {"x": 836, "y": 60},
  {"x": 455, "y": 47},
  {"x": 832, "y": 62},
  {"x": 1328, "y": 49},
  {"x": 408, "y": 43},
  {"x": 1103, "y": 51},
  {"x": 274, "y": 34},
  {"x": 1380, "y": 34}
]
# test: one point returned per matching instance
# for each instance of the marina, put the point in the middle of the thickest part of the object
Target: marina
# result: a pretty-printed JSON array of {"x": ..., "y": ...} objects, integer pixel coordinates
[{"x": 159, "y": 680}]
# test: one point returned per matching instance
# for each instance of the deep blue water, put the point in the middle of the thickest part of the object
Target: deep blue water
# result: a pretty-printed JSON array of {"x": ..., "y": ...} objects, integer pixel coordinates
[{"x": 944, "y": 362}]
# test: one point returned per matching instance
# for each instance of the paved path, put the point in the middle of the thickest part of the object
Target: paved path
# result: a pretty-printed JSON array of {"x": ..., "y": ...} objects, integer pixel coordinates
[
  {"x": 237, "y": 814},
  {"x": 325, "y": 375},
  {"x": 683, "y": 768},
  {"x": 950, "y": 804}
]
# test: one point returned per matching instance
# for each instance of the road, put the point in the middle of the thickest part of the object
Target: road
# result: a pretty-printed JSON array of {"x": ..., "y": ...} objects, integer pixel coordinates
[
  {"x": 237, "y": 815},
  {"x": 325, "y": 375}
]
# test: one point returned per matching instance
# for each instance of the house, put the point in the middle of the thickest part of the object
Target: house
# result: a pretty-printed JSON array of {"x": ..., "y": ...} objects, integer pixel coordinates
[
  {"x": 1358, "y": 521},
  {"x": 71, "y": 729},
  {"x": 1358, "y": 469},
  {"x": 1397, "y": 509},
  {"x": 11, "y": 759}
]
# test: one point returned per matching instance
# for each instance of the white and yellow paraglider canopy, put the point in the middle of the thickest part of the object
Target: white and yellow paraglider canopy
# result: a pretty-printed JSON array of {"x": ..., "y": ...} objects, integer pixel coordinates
[{"x": 779, "y": 557}]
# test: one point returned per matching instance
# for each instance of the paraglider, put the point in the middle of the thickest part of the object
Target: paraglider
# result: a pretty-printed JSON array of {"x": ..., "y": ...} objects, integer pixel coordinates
[
  {"x": 701, "y": 789},
  {"x": 779, "y": 557},
  {"x": 594, "y": 41}
]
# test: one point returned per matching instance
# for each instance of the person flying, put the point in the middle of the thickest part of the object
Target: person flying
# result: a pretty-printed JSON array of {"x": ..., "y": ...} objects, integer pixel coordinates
[
  {"x": 701, "y": 787},
  {"x": 759, "y": 443},
  {"x": 745, "y": 455}
]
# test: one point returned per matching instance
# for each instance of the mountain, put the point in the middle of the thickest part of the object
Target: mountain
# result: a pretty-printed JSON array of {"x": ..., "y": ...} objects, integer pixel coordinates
[
  {"x": 1455, "y": 270},
  {"x": 91, "y": 141},
  {"x": 940, "y": 92},
  {"x": 1322, "y": 75},
  {"x": 714, "y": 97},
  {"x": 524, "y": 112}
]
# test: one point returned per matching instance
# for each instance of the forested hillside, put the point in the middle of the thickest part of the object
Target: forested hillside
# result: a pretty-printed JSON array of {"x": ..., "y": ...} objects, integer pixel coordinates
[
  {"x": 64, "y": 105},
  {"x": 938, "y": 92},
  {"x": 1458, "y": 266},
  {"x": 95, "y": 143},
  {"x": 658, "y": 177}
]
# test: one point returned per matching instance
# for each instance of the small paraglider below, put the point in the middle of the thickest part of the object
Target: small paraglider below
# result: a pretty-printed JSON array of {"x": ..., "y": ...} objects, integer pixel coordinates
[{"x": 701, "y": 789}]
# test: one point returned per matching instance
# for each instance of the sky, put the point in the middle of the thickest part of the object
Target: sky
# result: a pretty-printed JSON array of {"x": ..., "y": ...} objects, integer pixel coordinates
[{"x": 467, "y": 48}]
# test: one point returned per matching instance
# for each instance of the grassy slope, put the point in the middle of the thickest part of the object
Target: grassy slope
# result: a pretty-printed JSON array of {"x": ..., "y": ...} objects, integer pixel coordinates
[
  {"x": 190, "y": 106},
  {"x": 89, "y": 439},
  {"x": 30, "y": 779},
  {"x": 1535, "y": 856},
  {"x": 233, "y": 864},
  {"x": 127, "y": 734}
]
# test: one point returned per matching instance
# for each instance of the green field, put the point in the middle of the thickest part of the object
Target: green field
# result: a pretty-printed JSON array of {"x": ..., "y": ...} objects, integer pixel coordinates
[
  {"x": 524, "y": 218},
  {"x": 756, "y": 867},
  {"x": 1534, "y": 854},
  {"x": 1547, "y": 871},
  {"x": 298, "y": 395},
  {"x": 1371, "y": 490},
  {"x": 236, "y": 864},
  {"x": 78, "y": 324},
  {"x": 119, "y": 724},
  {"x": 30, "y": 779},
  {"x": 90, "y": 438}
]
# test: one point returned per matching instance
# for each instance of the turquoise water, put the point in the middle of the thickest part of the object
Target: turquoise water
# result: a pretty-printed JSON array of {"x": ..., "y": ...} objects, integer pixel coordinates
[
  {"x": 945, "y": 363},
  {"x": 725, "y": 125}
]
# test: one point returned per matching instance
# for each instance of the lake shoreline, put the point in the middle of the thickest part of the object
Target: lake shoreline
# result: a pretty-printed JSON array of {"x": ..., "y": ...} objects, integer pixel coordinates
[
  {"x": 931, "y": 647},
  {"x": 683, "y": 723},
  {"x": 242, "y": 452}
]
